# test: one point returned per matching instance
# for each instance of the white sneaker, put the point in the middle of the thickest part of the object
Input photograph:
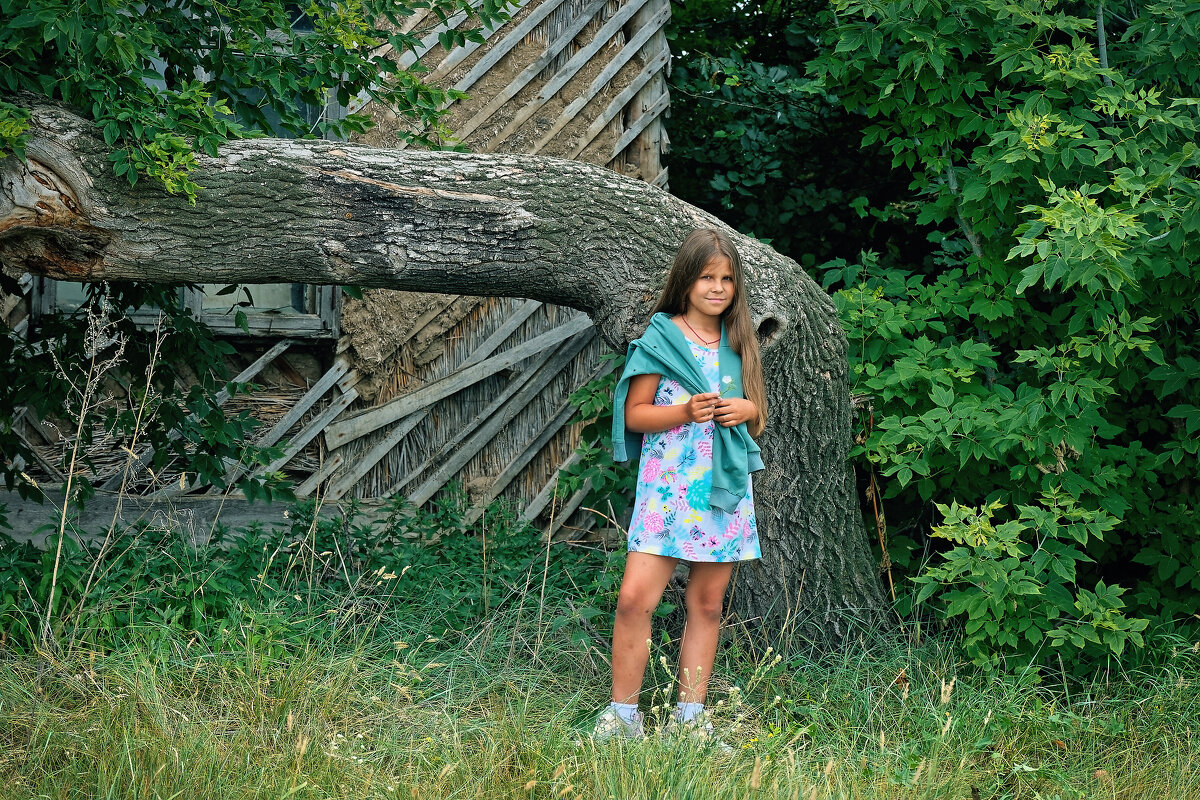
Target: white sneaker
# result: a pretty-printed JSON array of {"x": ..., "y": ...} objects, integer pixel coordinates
[{"x": 609, "y": 725}]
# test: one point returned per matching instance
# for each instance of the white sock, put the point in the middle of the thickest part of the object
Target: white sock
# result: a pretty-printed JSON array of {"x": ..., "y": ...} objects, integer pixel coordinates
[
  {"x": 688, "y": 711},
  {"x": 626, "y": 711}
]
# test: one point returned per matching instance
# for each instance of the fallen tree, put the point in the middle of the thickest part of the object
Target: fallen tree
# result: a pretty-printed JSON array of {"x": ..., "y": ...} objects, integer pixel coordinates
[{"x": 563, "y": 232}]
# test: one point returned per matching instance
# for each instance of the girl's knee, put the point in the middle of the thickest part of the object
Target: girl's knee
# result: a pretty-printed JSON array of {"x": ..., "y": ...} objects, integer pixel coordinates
[
  {"x": 633, "y": 604},
  {"x": 705, "y": 605}
]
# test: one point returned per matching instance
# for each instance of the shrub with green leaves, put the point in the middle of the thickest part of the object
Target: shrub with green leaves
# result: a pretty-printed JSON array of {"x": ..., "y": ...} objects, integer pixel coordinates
[{"x": 1051, "y": 348}]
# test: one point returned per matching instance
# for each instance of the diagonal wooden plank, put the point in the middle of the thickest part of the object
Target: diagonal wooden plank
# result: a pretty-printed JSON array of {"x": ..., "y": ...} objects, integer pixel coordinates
[
  {"x": 463, "y": 52},
  {"x": 365, "y": 462},
  {"x": 638, "y": 125},
  {"x": 310, "y": 431},
  {"x": 622, "y": 58},
  {"x": 503, "y": 47},
  {"x": 562, "y": 415},
  {"x": 486, "y": 432},
  {"x": 530, "y": 72},
  {"x": 615, "y": 106},
  {"x": 568, "y": 70},
  {"x": 543, "y": 498},
  {"x": 221, "y": 398},
  {"x": 310, "y": 483},
  {"x": 295, "y": 413},
  {"x": 373, "y": 419}
]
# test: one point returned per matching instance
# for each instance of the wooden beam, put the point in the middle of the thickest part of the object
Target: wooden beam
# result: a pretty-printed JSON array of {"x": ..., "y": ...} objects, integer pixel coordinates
[
  {"x": 463, "y": 52},
  {"x": 638, "y": 125},
  {"x": 562, "y": 415},
  {"x": 310, "y": 431},
  {"x": 365, "y": 462},
  {"x": 622, "y": 58},
  {"x": 615, "y": 106},
  {"x": 660, "y": 180},
  {"x": 221, "y": 398},
  {"x": 373, "y": 419},
  {"x": 530, "y": 72},
  {"x": 483, "y": 434},
  {"x": 568, "y": 70}
]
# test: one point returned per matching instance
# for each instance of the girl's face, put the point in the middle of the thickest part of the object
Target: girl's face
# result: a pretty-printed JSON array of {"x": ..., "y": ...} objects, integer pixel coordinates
[{"x": 713, "y": 291}]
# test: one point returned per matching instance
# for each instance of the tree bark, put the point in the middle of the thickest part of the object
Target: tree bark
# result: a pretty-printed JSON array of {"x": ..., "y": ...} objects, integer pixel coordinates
[{"x": 495, "y": 225}]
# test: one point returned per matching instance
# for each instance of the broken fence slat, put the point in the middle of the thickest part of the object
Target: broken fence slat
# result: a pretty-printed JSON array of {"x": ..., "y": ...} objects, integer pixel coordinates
[
  {"x": 363, "y": 464},
  {"x": 310, "y": 431},
  {"x": 295, "y": 413},
  {"x": 373, "y": 419},
  {"x": 484, "y": 434},
  {"x": 543, "y": 497},
  {"x": 513, "y": 468},
  {"x": 310, "y": 483},
  {"x": 134, "y": 468}
]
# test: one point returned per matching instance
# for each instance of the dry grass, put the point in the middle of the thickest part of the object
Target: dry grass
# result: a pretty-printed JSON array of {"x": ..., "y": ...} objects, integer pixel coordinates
[{"x": 280, "y": 709}]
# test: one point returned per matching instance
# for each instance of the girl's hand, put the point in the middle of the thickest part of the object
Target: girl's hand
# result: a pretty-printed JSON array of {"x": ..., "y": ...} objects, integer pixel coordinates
[
  {"x": 701, "y": 407},
  {"x": 732, "y": 411}
]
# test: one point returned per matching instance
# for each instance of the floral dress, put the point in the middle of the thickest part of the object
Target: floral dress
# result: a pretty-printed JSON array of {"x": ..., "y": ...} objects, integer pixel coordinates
[{"x": 672, "y": 516}]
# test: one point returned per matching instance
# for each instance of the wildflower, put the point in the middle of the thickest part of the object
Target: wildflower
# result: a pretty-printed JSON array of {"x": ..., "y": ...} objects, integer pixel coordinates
[{"x": 727, "y": 385}]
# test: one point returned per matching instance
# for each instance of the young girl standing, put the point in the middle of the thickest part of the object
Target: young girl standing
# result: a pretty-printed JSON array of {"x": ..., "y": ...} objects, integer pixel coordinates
[{"x": 689, "y": 401}]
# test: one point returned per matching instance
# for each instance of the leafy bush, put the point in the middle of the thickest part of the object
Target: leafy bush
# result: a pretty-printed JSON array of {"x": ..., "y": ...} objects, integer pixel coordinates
[{"x": 1049, "y": 347}]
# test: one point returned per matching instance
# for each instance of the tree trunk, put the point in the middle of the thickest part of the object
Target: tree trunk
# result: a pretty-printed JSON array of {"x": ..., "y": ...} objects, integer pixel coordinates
[{"x": 502, "y": 225}]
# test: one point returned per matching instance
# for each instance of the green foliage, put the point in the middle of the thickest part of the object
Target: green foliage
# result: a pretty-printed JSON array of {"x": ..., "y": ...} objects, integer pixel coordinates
[
  {"x": 164, "y": 80},
  {"x": 761, "y": 145},
  {"x": 158, "y": 579},
  {"x": 1048, "y": 347},
  {"x": 1015, "y": 584}
]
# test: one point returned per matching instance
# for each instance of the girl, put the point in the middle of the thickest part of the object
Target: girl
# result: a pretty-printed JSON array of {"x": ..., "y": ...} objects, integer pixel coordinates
[{"x": 693, "y": 385}]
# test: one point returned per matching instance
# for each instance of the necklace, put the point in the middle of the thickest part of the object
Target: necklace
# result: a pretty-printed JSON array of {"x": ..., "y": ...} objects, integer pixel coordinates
[{"x": 698, "y": 336}]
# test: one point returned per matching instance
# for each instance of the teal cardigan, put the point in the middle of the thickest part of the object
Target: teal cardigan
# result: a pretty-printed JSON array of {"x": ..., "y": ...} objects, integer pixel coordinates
[{"x": 664, "y": 350}]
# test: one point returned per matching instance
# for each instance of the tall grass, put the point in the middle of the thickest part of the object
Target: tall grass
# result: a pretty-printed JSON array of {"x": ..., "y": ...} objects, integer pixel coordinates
[{"x": 280, "y": 704}]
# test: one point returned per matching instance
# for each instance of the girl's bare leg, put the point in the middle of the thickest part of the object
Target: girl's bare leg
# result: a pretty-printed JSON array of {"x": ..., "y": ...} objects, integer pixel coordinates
[
  {"x": 642, "y": 588},
  {"x": 704, "y": 598}
]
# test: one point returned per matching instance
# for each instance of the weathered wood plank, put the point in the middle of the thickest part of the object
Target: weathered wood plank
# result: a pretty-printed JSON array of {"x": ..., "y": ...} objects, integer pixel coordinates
[
  {"x": 564, "y": 512},
  {"x": 627, "y": 52},
  {"x": 542, "y": 499},
  {"x": 568, "y": 70},
  {"x": 660, "y": 180},
  {"x": 331, "y": 465},
  {"x": 295, "y": 413},
  {"x": 483, "y": 434},
  {"x": 615, "y": 106},
  {"x": 562, "y": 415},
  {"x": 134, "y": 468},
  {"x": 310, "y": 431},
  {"x": 503, "y": 47},
  {"x": 638, "y": 125},
  {"x": 463, "y": 52},
  {"x": 367, "y": 461},
  {"x": 196, "y": 515},
  {"x": 373, "y": 419},
  {"x": 529, "y": 73}
]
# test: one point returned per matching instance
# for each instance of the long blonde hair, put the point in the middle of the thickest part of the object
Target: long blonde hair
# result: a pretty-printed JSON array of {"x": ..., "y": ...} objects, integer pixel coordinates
[{"x": 700, "y": 247}]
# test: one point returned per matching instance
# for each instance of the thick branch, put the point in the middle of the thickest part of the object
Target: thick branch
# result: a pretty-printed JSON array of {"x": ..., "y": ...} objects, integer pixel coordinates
[{"x": 559, "y": 231}]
